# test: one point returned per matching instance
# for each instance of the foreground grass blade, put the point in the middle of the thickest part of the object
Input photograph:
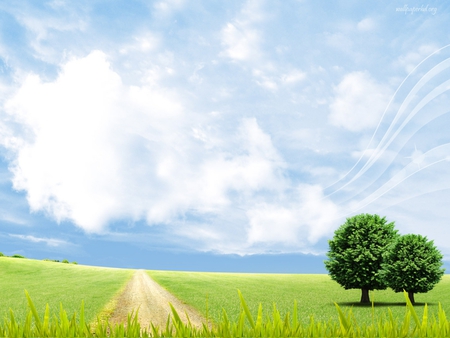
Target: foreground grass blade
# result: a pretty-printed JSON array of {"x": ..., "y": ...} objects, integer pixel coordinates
[
  {"x": 424, "y": 319},
  {"x": 345, "y": 322},
  {"x": 246, "y": 310},
  {"x": 295, "y": 315},
  {"x": 34, "y": 312},
  {"x": 343, "y": 325},
  {"x": 411, "y": 310}
]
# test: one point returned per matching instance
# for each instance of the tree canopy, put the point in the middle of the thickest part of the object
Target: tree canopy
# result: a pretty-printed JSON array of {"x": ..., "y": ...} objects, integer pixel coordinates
[
  {"x": 356, "y": 253},
  {"x": 413, "y": 264}
]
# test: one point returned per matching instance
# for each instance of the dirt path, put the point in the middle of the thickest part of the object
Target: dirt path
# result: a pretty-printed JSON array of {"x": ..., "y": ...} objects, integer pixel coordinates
[{"x": 153, "y": 302}]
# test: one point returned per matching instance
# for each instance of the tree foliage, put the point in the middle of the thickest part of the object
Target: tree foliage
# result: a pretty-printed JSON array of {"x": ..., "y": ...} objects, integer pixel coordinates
[
  {"x": 356, "y": 253},
  {"x": 413, "y": 264}
]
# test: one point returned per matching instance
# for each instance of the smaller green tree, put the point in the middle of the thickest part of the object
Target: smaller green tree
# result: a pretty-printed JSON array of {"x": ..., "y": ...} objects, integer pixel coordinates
[{"x": 412, "y": 264}]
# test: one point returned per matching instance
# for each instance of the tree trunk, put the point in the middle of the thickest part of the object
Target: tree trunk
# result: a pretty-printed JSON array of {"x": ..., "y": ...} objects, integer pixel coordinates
[
  {"x": 365, "y": 296},
  {"x": 411, "y": 296}
]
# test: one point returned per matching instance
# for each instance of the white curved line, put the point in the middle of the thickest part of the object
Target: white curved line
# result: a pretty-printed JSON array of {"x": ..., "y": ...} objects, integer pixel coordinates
[
  {"x": 403, "y": 175},
  {"x": 431, "y": 74}
]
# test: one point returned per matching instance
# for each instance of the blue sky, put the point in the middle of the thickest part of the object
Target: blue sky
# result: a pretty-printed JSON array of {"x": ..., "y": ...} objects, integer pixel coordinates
[{"x": 219, "y": 136}]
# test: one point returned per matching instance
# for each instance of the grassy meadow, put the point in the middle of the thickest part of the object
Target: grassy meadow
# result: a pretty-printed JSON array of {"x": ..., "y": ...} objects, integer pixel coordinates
[
  {"x": 55, "y": 283},
  {"x": 315, "y": 294}
]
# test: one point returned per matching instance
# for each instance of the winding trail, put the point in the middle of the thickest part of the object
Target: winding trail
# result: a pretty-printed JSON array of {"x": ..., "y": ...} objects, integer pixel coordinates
[{"x": 152, "y": 300}]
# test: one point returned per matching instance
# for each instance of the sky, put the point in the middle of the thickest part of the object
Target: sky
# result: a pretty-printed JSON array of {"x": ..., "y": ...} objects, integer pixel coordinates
[{"x": 219, "y": 135}]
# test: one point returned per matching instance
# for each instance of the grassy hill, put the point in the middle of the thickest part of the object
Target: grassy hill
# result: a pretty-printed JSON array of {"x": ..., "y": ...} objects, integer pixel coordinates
[
  {"x": 315, "y": 294},
  {"x": 55, "y": 283}
]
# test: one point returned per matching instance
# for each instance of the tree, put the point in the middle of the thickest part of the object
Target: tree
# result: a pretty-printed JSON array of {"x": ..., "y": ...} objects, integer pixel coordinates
[
  {"x": 356, "y": 253},
  {"x": 413, "y": 264}
]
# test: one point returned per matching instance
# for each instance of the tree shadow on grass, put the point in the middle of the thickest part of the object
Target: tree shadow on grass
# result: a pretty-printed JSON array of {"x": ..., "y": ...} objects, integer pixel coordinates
[{"x": 381, "y": 304}]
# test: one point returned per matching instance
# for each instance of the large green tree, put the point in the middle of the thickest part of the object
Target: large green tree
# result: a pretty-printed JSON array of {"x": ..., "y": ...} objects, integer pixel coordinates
[
  {"x": 356, "y": 253},
  {"x": 413, "y": 264}
]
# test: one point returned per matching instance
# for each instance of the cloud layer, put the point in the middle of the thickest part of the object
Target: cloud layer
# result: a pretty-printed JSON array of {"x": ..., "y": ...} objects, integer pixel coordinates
[
  {"x": 359, "y": 102},
  {"x": 92, "y": 150},
  {"x": 242, "y": 128}
]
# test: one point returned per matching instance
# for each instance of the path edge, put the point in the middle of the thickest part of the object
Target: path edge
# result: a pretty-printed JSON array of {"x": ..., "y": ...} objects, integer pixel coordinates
[{"x": 107, "y": 310}]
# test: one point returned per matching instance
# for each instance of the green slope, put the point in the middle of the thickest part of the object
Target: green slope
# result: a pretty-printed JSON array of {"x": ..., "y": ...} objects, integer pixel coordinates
[
  {"x": 55, "y": 283},
  {"x": 315, "y": 294}
]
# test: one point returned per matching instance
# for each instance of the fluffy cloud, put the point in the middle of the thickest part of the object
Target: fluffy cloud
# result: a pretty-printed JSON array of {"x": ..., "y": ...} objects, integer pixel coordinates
[
  {"x": 241, "y": 41},
  {"x": 299, "y": 222},
  {"x": 92, "y": 150},
  {"x": 359, "y": 102},
  {"x": 89, "y": 149},
  {"x": 240, "y": 37},
  {"x": 244, "y": 41},
  {"x": 366, "y": 24}
]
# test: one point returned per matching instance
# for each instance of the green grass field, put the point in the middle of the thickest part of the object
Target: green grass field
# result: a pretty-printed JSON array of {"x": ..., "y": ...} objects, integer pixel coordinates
[
  {"x": 55, "y": 283},
  {"x": 315, "y": 294}
]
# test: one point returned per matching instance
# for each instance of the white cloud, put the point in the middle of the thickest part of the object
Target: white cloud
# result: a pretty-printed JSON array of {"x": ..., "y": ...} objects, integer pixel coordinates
[
  {"x": 72, "y": 156},
  {"x": 8, "y": 217},
  {"x": 88, "y": 149},
  {"x": 241, "y": 42},
  {"x": 48, "y": 241},
  {"x": 241, "y": 37},
  {"x": 167, "y": 6},
  {"x": 318, "y": 212},
  {"x": 101, "y": 144},
  {"x": 285, "y": 221},
  {"x": 301, "y": 222},
  {"x": 413, "y": 58},
  {"x": 273, "y": 224},
  {"x": 93, "y": 150},
  {"x": 366, "y": 24},
  {"x": 359, "y": 102},
  {"x": 45, "y": 26},
  {"x": 293, "y": 77},
  {"x": 143, "y": 42}
]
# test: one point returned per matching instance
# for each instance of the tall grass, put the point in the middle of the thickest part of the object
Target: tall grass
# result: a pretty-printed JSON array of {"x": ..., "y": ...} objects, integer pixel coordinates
[{"x": 345, "y": 324}]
